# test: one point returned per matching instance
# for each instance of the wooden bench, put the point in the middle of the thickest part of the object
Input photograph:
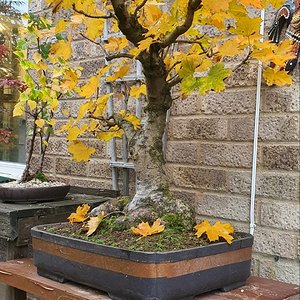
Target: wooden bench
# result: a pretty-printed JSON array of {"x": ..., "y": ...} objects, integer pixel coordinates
[{"x": 21, "y": 274}]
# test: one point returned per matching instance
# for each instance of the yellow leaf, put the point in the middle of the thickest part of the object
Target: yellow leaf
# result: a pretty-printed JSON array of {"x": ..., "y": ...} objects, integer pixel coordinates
[
  {"x": 136, "y": 122},
  {"x": 90, "y": 88},
  {"x": 80, "y": 215},
  {"x": 144, "y": 229},
  {"x": 83, "y": 109},
  {"x": 80, "y": 151},
  {"x": 58, "y": 4},
  {"x": 216, "y": 5},
  {"x": 31, "y": 104},
  {"x": 61, "y": 26},
  {"x": 152, "y": 14},
  {"x": 101, "y": 105},
  {"x": 45, "y": 143},
  {"x": 66, "y": 127},
  {"x": 113, "y": 44},
  {"x": 136, "y": 91},
  {"x": 230, "y": 48},
  {"x": 77, "y": 19},
  {"x": 62, "y": 49},
  {"x": 73, "y": 133},
  {"x": 93, "y": 223},
  {"x": 37, "y": 57},
  {"x": 216, "y": 231},
  {"x": 277, "y": 77},
  {"x": 93, "y": 124},
  {"x": 246, "y": 26},
  {"x": 276, "y": 3},
  {"x": 70, "y": 81},
  {"x": 143, "y": 45},
  {"x": 40, "y": 123},
  {"x": 264, "y": 55},
  {"x": 94, "y": 27},
  {"x": 51, "y": 122},
  {"x": 255, "y": 3},
  {"x": 115, "y": 132},
  {"x": 269, "y": 52},
  {"x": 283, "y": 53},
  {"x": 53, "y": 104},
  {"x": 19, "y": 109},
  {"x": 119, "y": 74}
]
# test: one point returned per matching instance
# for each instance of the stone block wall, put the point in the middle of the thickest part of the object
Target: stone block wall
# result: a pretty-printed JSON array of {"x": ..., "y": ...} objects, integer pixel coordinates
[{"x": 209, "y": 159}]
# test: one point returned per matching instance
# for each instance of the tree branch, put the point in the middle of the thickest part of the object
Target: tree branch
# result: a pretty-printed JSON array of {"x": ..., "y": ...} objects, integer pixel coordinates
[
  {"x": 120, "y": 55},
  {"x": 139, "y": 7},
  {"x": 96, "y": 43},
  {"x": 242, "y": 62},
  {"x": 128, "y": 23},
  {"x": 174, "y": 81},
  {"x": 193, "y": 6},
  {"x": 109, "y": 16}
]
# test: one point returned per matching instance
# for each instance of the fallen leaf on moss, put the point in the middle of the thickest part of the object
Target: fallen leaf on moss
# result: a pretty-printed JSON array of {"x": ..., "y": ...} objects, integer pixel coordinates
[
  {"x": 93, "y": 223},
  {"x": 80, "y": 215},
  {"x": 216, "y": 231},
  {"x": 144, "y": 229}
]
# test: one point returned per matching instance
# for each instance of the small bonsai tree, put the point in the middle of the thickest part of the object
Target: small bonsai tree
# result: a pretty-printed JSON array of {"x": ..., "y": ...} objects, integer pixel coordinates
[
  {"x": 42, "y": 88},
  {"x": 193, "y": 44}
]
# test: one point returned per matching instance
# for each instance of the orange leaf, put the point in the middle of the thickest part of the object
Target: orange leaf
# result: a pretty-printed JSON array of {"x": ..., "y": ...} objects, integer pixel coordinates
[
  {"x": 80, "y": 215},
  {"x": 144, "y": 229},
  {"x": 216, "y": 231}
]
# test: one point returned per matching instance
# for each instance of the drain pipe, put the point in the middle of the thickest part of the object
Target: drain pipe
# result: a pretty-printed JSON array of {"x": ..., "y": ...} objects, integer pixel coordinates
[{"x": 256, "y": 129}]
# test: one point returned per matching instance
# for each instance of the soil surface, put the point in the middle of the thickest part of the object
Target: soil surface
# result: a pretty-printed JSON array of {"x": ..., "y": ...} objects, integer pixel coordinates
[{"x": 168, "y": 240}]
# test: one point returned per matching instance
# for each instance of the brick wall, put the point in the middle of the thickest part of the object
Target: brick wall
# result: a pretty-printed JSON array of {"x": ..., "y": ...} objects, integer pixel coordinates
[{"x": 209, "y": 155}]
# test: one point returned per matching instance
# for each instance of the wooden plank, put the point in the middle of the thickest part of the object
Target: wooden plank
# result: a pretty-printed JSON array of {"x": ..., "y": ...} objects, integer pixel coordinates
[
  {"x": 258, "y": 288},
  {"x": 22, "y": 274}
]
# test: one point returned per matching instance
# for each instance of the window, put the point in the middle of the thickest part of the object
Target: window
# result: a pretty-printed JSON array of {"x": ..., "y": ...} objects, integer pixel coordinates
[{"x": 12, "y": 130}]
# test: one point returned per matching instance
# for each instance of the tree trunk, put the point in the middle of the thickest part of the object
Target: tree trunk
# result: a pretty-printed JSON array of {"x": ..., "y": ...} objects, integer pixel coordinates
[
  {"x": 151, "y": 179},
  {"x": 153, "y": 198}
]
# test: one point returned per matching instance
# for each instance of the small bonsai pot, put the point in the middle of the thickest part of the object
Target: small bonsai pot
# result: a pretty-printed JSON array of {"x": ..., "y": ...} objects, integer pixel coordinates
[
  {"x": 137, "y": 275},
  {"x": 33, "y": 194}
]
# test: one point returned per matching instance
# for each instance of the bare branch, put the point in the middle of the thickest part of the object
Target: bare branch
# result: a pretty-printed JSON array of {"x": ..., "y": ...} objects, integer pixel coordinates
[
  {"x": 193, "y": 6},
  {"x": 120, "y": 55},
  {"x": 174, "y": 81},
  {"x": 139, "y": 7},
  {"x": 92, "y": 41},
  {"x": 242, "y": 62},
  {"x": 109, "y": 16}
]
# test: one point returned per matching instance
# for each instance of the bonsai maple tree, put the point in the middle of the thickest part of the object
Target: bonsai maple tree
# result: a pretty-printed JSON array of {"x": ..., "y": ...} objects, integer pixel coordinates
[
  {"x": 183, "y": 43},
  {"x": 41, "y": 89}
]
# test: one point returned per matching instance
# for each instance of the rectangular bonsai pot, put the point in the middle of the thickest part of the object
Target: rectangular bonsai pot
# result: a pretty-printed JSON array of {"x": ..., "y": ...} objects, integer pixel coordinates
[{"x": 136, "y": 275}]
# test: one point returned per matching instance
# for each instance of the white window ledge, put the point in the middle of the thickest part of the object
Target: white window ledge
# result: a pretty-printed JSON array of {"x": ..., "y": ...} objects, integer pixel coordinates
[{"x": 11, "y": 170}]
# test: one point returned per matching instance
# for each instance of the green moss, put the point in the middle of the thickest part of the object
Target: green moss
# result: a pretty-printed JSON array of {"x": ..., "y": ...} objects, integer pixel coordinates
[
  {"x": 41, "y": 176},
  {"x": 113, "y": 223},
  {"x": 174, "y": 221},
  {"x": 123, "y": 201}
]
